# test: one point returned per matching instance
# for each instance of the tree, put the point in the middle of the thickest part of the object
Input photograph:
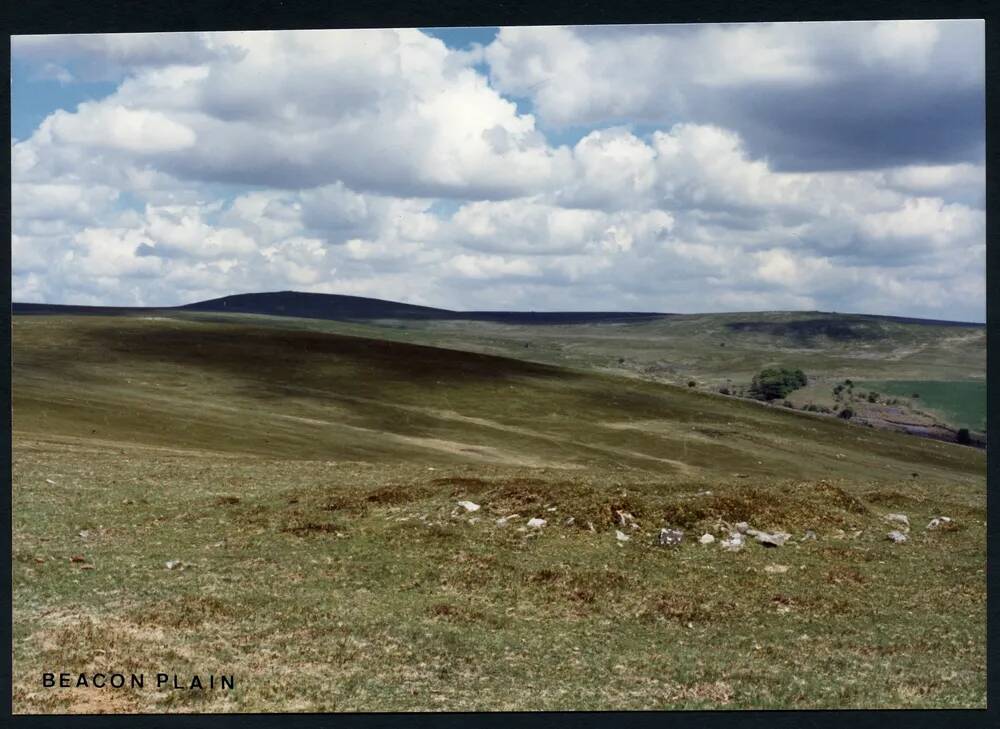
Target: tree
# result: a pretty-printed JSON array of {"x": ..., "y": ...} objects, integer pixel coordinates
[
  {"x": 692, "y": 383},
  {"x": 774, "y": 383},
  {"x": 846, "y": 414},
  {"x": 963, "y": 437}
]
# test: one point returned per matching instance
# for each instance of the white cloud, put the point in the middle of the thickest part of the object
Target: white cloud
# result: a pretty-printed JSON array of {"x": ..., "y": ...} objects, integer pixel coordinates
[{"x": 382, "y": 163}]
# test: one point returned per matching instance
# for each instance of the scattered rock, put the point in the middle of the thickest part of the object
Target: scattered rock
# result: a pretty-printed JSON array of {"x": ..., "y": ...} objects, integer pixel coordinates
[
  {"x": 77, "y": 559},
  {"x": 86, "y": 566},
  {"x": 839, "y": 534},
  {"x": 901, "y": 519},
  {"x": 504, "y": 520},
  {"x": 670, "y": 537},
  {"x": 809, "y": 536},
  {"x": 468, "y": 505},
  {"x": 733, "y": 543},
  {"x": 590, "y": 526},
  {"x": 706, "y": 539},
  {"x": 536, "y": 523},
  {"x": 742, "y": 527},
  {"x": 569, "y": 521},
  {"x": 173, "y": 564},
  {"x": 777, "y": 539},
  {"x": 625, "y": 518},
  {"x": 896, "y": 536},
  {"x": 50, "y": 482},
  {"x": 938, "y": 522},
  {"x": 40, "y": 560},
  {"x": 552, "y": 508},
  {"x": 85, "y": 534},
  {"x": 776, "y": 569},
  {"x": 621, "y": 536},
  {"x": 128, "y": 502}
]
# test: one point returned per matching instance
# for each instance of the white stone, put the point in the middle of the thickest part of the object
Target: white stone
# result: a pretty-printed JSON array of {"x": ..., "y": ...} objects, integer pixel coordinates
[
  {"x": 536, "y": 523},
  {"x": 468, "y": 505},
  {"x": 733, "y": 543},
  {"x": 902, "y": 519},
  {"x": 670, "y": 537},
  {"x": 776, "y": 539},
  {"x": 621, "y": 536},
  {"x": 706, "y": 539}
]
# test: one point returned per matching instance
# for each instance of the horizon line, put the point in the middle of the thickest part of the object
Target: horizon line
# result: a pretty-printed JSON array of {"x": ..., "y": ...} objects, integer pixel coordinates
[{"x": 505, "y": 311}]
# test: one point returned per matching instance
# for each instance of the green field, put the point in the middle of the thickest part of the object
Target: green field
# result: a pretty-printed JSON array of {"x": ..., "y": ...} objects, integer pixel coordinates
[
  {"x": 961, "y": 403},
  {"x": 307, "y": 480}
]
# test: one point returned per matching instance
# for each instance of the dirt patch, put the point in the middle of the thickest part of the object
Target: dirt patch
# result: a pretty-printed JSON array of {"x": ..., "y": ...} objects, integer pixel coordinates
[
  {"x": 678, "y": 608},
  {"x": 892, "y": 498},
  {"x": 185, "y": 611},
  {"x": 842, "y": 574},
  {"x": 452, "y": 613},
  {"x": 306, "y": 528},
  {"x": 841, "y": 499}
]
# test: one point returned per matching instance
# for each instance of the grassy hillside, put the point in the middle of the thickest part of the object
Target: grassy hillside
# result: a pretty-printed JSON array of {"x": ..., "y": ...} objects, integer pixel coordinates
[
  {"x": 715, "y": 350},
  {"x": 962, "y": 402},
  {"x": 308, "y": 481}
]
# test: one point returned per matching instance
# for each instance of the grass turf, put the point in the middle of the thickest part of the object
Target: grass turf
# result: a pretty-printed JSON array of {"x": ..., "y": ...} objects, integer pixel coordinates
[{"x": 308, "y": 483}]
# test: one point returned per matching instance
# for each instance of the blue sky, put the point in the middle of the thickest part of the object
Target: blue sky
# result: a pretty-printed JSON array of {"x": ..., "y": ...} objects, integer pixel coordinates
[
  {"x": 673, "y": 168},
  {"x": 34, "y": 97}
]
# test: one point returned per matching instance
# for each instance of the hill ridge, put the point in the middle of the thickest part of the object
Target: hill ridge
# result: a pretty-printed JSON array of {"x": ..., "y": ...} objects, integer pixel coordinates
[{"x": 313, "y": 305}]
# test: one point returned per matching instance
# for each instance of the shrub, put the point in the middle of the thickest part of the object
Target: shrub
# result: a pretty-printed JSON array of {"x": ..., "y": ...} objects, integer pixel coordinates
[
  {"x": 872, "y": 397},
  {"x": 774, "y": 383},
  {"x": 846, "y": 414},
  {"x": 814, "y": 408},
  {"x": 915, "y": 395},
  {"x": 692, "y": 383},
  {"x": 724, "y": 390},
  {"x": 963, "y": 437}
]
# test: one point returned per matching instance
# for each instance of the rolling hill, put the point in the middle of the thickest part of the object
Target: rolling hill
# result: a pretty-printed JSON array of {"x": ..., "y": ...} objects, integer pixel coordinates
[{"x": 336, "y": 512}]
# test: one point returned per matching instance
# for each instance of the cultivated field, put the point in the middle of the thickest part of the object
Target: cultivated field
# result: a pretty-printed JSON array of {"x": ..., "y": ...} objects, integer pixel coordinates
[{"x": 304, "y": 485}]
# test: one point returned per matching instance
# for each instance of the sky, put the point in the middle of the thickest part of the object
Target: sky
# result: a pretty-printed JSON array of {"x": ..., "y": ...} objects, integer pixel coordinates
[{"x": 674, "y": 168}]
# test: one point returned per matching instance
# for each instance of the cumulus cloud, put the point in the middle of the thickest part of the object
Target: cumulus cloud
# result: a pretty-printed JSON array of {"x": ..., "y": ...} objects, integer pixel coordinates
[
  {"x": 816, "y": 166},
  {"x": 380, "y": 110},
  {"x": 807, "y": 96}
]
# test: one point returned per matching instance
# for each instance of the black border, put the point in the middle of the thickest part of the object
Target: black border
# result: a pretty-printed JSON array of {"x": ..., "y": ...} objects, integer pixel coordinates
[{"x": 105, "y": 16}]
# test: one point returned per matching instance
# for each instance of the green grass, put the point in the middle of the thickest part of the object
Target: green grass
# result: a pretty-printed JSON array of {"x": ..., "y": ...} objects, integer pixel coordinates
[
  {"x": 309, "y": 481},
  {"x": 961, "y": 403}
]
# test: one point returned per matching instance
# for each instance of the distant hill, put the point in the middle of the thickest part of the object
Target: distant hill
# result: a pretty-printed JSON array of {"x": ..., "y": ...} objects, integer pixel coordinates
[
  {"x": 338, "y": 307},
  {"x": 343, "y": 308},
  {"x": 317, "y": 306}
]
